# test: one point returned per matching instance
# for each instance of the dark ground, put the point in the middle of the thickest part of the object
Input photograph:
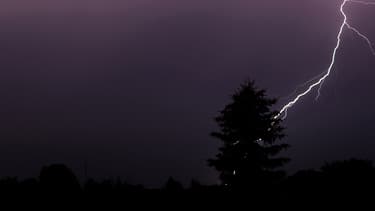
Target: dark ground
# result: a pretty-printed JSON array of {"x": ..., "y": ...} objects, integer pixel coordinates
[{"x": 338, "y": 183}]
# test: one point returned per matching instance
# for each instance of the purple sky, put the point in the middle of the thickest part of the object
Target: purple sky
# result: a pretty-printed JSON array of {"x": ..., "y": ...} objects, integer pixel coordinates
[{"x": 131, "y": 87}]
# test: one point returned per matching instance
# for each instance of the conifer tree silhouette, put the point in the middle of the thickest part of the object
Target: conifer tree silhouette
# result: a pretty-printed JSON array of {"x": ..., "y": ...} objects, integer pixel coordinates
[{"x": 249, "y": 132}]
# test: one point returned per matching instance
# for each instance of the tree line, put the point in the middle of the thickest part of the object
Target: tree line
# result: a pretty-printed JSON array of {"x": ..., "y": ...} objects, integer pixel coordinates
[{"x": 248, "y": 162}]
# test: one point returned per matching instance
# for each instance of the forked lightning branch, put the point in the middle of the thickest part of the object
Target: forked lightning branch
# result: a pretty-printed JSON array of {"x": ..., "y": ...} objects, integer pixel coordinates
[{"x": 318, "y": 81}]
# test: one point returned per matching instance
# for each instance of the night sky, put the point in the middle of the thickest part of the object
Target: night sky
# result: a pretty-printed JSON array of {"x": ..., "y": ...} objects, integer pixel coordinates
[{"x": 131, "y": 87}]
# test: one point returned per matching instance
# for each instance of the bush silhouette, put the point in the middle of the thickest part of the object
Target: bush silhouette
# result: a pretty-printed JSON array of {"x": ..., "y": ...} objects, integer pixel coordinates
[{"x": 58, "y": 179}]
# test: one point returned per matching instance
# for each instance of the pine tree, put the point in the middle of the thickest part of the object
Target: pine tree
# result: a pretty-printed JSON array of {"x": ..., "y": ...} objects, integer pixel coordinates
[{"x": 249, "y": 132}]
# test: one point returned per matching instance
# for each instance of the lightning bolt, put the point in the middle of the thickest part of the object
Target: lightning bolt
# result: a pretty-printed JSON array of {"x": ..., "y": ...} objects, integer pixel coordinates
[{"x": 323, "y": 76}]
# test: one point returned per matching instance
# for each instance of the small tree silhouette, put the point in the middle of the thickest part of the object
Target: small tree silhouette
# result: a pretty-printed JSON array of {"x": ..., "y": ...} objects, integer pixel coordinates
[
  {"x": 173, "y": 185},
  {"x": 249, "y": 131},
  {"x": 58, "y": 178}
]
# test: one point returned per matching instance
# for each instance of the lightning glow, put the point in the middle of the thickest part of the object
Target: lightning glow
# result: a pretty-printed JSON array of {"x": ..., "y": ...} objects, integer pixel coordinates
[
  {"x": 362, "y": 2},
  {"x": 323, "y": 76}
]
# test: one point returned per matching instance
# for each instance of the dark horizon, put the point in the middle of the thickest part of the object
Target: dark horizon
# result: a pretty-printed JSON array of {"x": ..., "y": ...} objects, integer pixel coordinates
[{"x": 131, "y": 88}]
